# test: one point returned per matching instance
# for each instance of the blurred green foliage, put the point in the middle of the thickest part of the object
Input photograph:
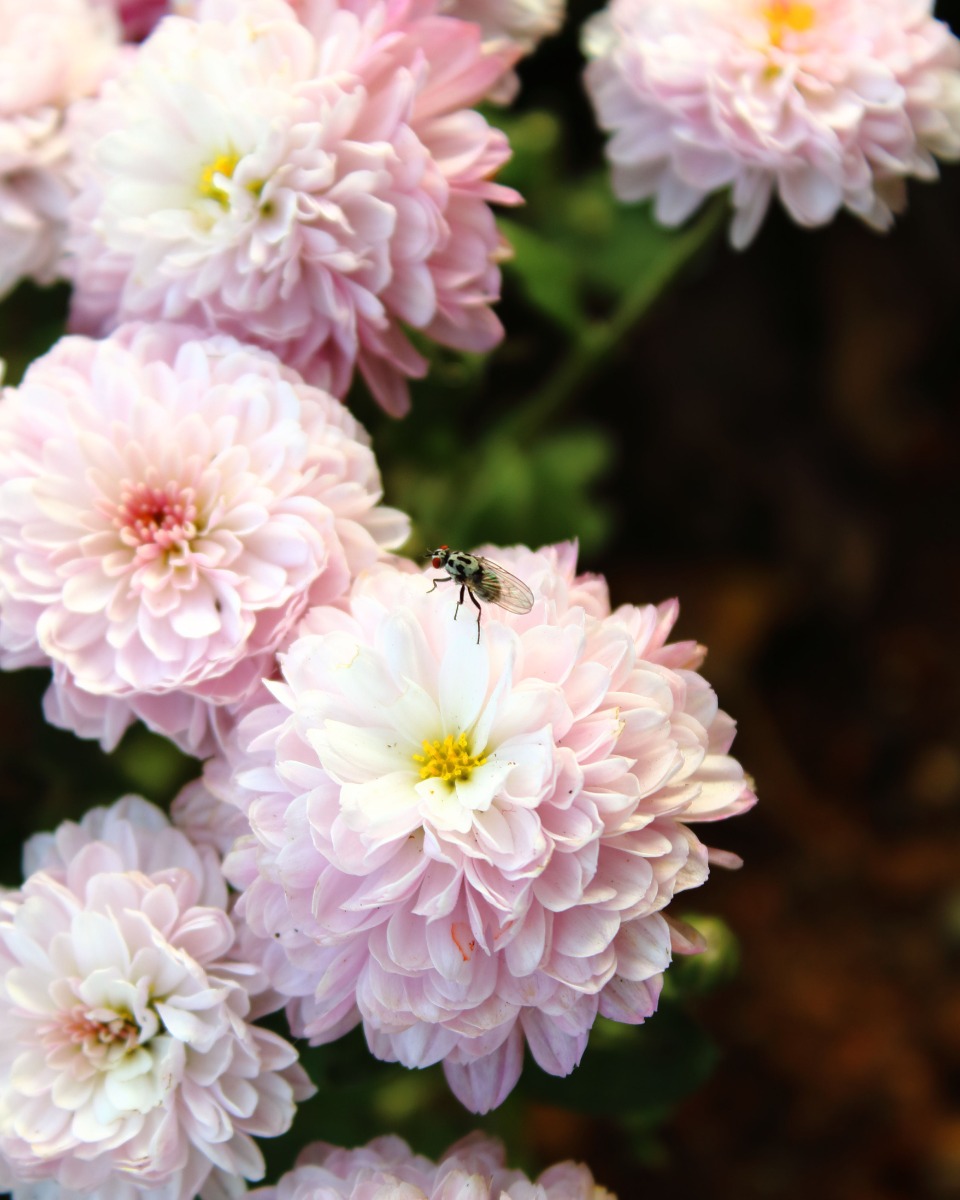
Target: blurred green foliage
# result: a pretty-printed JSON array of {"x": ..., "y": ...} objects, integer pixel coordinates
[
  {"x": 495, "y": 449},
  {"x": 503, "y": 493},
  {"x": 579, "y": 253},
  {"x": 717, "y": 964}
]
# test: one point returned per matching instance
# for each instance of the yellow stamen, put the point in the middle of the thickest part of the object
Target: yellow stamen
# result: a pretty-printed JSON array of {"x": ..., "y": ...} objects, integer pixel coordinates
[
  {"x": 449, "y": 759},
  {"x": 223, "y": 164},
  {"x": 784, "y": 16}
]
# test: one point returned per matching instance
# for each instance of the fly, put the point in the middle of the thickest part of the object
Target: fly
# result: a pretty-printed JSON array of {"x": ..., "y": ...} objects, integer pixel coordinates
[{"x": 483, "y": 579}]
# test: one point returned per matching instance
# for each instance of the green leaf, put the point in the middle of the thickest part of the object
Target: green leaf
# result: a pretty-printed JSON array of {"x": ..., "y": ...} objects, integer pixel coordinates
[
  {"x": 546, "y": 274},
  {"x": 615, "y": 244},
  {"x": 501, "y": 498},
  {"x": 535, "y": 142}
]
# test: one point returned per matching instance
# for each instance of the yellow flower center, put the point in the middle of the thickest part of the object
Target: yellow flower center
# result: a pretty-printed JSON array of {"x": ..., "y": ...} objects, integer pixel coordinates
[
  {"x": 784, "y": 16},
  {"x": 223, "y": 164},
  {"x": 448, "y": 760}
]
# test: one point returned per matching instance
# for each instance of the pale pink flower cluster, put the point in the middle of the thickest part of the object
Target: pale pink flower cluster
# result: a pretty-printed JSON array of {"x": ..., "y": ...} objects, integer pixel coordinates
[
  {"x": 309, "y": 179},
  {"x": 828, "y": 104},
  {"x": 52, "y": 52},
  {"x": 169, "y": 506},
  {"x": 128, "y": 1066},
  {"x": 468, "y": 845},
  {"x": 387, "y": 1169}
]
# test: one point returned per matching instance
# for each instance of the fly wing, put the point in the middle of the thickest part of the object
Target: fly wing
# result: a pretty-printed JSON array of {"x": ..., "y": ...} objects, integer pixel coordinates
[{"x": 498, "y": 586}]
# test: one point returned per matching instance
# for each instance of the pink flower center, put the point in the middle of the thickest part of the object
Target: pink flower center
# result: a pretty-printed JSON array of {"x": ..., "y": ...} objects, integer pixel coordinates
[
  {"x": 164, "y": 517},
  {"x": 102, "y": 1036}
]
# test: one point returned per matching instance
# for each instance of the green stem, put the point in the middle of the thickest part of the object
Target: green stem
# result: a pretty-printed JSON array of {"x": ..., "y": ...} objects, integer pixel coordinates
[{"x": 601, "y": 338}]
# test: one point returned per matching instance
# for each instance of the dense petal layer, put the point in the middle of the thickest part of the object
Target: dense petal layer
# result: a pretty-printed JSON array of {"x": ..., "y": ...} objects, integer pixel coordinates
[
  {"x": 467, "y": 844},
  {"x": 128, "y": 1066},
  {"x": 473, "y": 1169},
  {"x": 170, "y": 506},
  {"x": 827, "y": 103},
  {"x": 311, "y": 189}
]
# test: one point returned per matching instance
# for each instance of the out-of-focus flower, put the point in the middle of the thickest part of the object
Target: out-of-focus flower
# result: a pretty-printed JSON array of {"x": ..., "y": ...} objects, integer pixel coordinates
[
  {"x": 52, "y": 52},
  {"x": 829, "y": 103},
  {"x": 518, "y": 24},
  {"x": 128, "y": 1067},
  {"x": 309, "y": 180},
  {"x": 521, "y": 22},
  {"x": 170, "y": 505},
  {"x": 465, "y": 845},
  {"x": 473, "y": 1169}
]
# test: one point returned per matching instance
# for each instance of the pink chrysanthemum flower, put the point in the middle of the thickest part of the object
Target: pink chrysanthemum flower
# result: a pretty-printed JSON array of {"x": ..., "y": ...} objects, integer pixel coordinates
[
  {"x": 52, "y": 52},
  {"x": 829, "y": 103},
  {"x": 309, "y": 180},
  {"x": 142, "y": 839},
  {"x": 169, "y": 506},
  {"x": 467, "y": 845},
  {"x": 128, "y": 1067},
  {"x": 473, "y": 1169}
]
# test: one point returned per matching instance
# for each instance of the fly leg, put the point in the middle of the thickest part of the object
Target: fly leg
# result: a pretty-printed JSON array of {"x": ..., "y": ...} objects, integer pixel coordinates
[
  {"x": 456, "y": 611},
  {"x": 442, "y": 579},
  {"x": 479, "y": 611}
]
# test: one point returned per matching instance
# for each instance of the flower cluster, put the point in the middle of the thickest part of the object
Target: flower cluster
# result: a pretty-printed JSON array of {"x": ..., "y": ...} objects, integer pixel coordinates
[
  {"x": 128, "y": 1066},
  {"x": 170, "y": 506},
  {"x": 52, "y": 52},
  {"x": 469, "y": 844},
  {"x": 828, "y": 103},
  {"x": 471, "y": 1170},
  {"x": 464, "y": 837},
  {"x": 308, "y": 179}
]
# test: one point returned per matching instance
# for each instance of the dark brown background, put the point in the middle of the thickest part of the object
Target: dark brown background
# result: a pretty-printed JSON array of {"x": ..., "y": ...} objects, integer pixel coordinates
[{"x": 790, "y": 467}]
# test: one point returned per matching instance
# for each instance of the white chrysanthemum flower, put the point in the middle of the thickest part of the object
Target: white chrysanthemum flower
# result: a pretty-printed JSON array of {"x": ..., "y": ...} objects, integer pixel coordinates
[
  {"x": 170, "y": 506},
  {"x": 128, "y": 1067},
  {"x": 829, "y": 104},
  {"x": 52, "y": 52},
  {"x": 469, "y": 844}
]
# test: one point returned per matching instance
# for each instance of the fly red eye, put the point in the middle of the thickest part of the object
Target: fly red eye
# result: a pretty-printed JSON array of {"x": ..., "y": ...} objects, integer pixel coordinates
[
  {"x": 444, "y": 547},
  {"x": 437, "y": 563}
]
